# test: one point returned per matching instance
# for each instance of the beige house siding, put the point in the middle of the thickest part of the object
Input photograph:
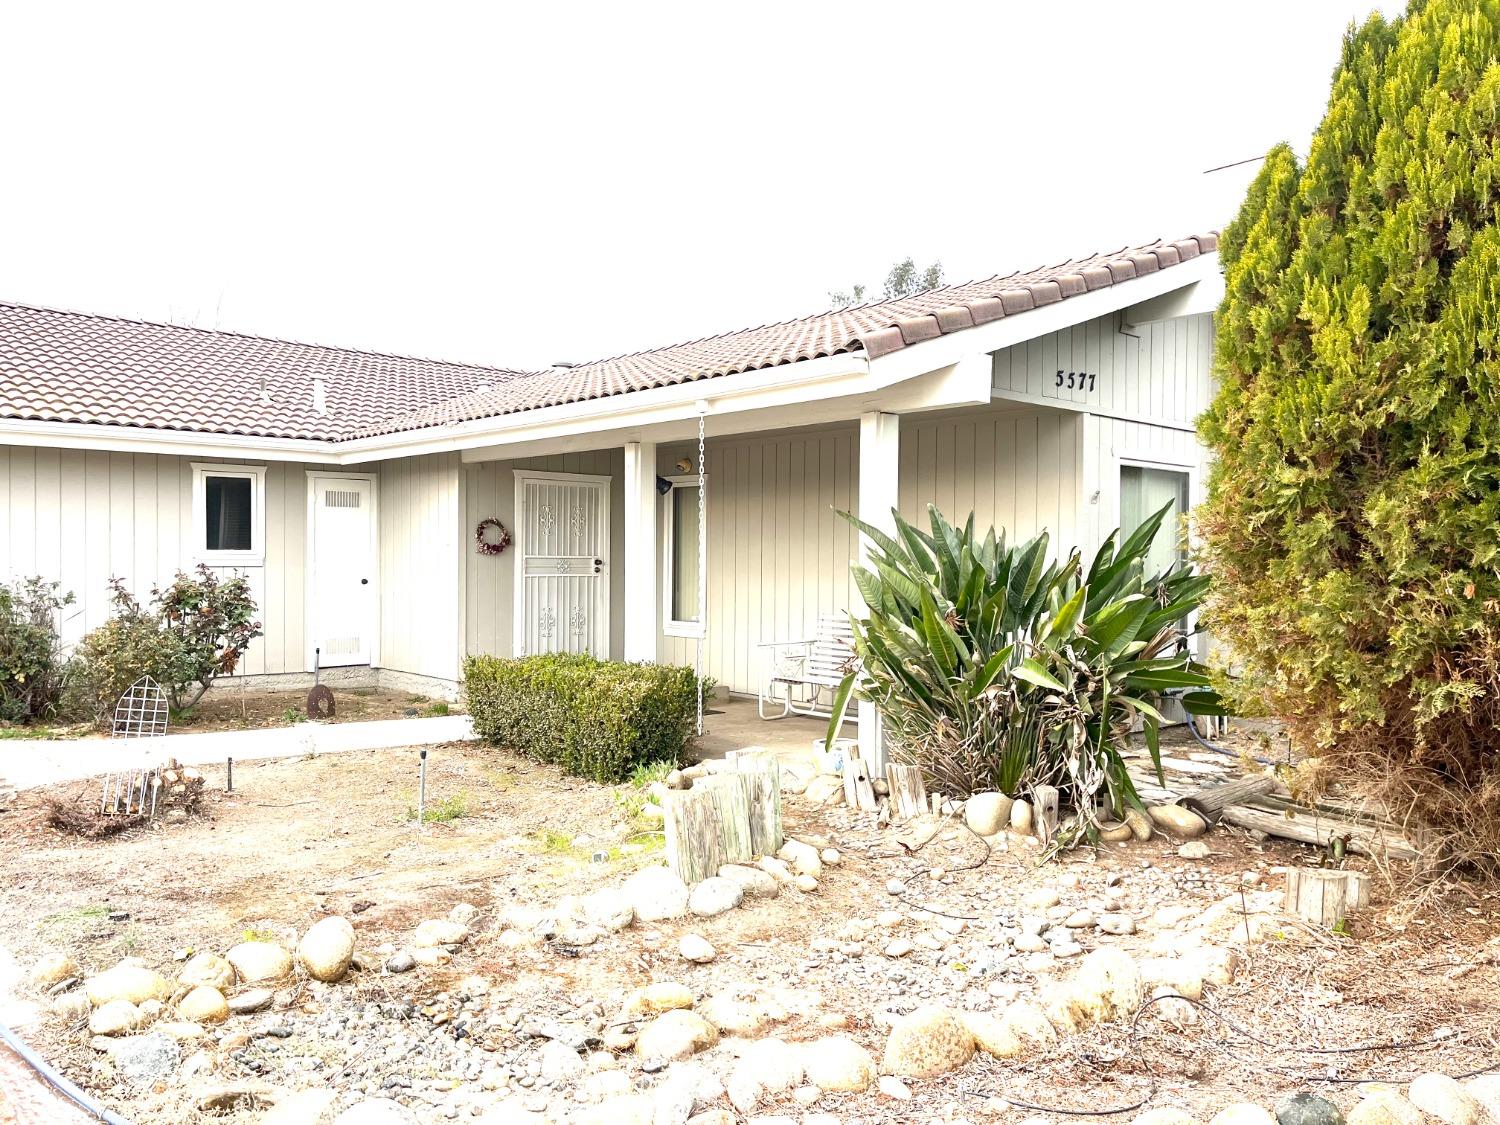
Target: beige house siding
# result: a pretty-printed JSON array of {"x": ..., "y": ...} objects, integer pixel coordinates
[
  {"x": 82, "y": 518},
  {"x": 1159, "y": 372},
  {"x": 421, "y": 545},
  {"x": 489, "y": 584}
]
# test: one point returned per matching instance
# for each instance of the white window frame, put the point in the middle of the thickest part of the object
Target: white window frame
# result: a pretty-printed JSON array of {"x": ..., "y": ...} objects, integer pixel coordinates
[
  {"x": 671, "y": 627},
  {"x": 1146, "y": 461},
  {"x": 256, "y": 474}
]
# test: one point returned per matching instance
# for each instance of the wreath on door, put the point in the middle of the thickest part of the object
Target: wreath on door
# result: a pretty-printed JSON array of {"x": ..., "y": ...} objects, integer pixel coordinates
[{"x": 491, "y": 544}]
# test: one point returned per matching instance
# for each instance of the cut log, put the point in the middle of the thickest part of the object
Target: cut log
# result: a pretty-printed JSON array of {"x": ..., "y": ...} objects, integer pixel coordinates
[
  {"x": 695, "y": 849},
  {"x": 1292, "y": 823},
  {"x": 858, "y": 792},
  {"x": 908, "y": 793},
  {"x": 1324, "y": 898},
  {"x": 763, "y": 792},
  {"x": 1210, "y": 803},
  {"x": 731, "y": 793},
  {"x": 1044, "y": 812}
]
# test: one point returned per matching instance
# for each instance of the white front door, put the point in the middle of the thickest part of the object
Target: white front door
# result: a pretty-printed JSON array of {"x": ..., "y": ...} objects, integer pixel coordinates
[
  {"x": 341, "y": 556},
  {"x": 562, "y": 569}
]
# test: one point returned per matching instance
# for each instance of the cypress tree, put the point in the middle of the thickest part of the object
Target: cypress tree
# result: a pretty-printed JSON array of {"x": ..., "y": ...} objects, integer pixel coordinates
[{"x": 1353, "y": 516}]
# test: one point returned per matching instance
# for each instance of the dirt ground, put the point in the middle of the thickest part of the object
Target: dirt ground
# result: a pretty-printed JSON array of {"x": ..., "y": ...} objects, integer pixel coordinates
[{"x": 299, "y": 839}]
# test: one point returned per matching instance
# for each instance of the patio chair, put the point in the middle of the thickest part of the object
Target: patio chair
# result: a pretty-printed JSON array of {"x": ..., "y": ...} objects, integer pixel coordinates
[{"x": 805, "y": 673}]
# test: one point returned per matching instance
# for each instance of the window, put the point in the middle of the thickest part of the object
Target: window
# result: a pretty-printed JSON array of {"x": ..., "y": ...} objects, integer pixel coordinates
[
  {"x": 1143, "y": 491},
  {"x": 682, "y": 570},
  {"x": 229, "y": 514}
]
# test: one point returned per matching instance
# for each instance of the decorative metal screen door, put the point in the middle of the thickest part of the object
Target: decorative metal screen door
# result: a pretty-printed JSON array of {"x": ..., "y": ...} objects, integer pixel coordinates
[
  {"x": 341, "y": 555},
  {"x": 562, "y": 565}
]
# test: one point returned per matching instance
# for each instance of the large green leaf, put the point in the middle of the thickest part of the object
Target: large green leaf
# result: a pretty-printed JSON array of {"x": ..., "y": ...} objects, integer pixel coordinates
[{"x": 1033, "y": 673}]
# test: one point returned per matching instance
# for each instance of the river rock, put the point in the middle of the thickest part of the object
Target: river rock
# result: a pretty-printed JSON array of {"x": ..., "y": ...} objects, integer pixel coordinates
[
  {"x": 1443, "y": 1098},
  {"x": 209, "y": 969},
  {"x": 1030, "y": 1024},
  {"x": 1166, "y": 1115},
  {"x": 327, "y": 948},
  {"x": 203, "y": 1004},
  {"x": 1486, "y": 1090},
  {"x": 929, "y": 1042},
  {"x": 1116, "y": 832},
  {"x": 1179, "y": 821},
  {"x": 1242, "y": 1113},
  {"x": 375, "y": 1111},
  {"x": 1140, "y": 824},
  {"x": 776, "y": 1065},
  {"x": 803, "y": 858},
  {"x": 662, "y": 996},
  {"x": 609, "y": 908},
  {"x": 1193, "y": 849},
  {"x": 303, "y": 1107},
  {"x": 677, "y": 1034},
  {"x": 1384, "y": 1107},
  {"x": 992, "y": 1034},
  {"x": 838, "y": 1064},
  {"x": 1307, "y": 1109},
  {"x": 716, "y": 895},
  {"x": 752, "y": 880},
  {"x": 656, "y": 893},
  {"x": 987, "y": 813},
  {"x": 144, "y": 1060},
  {"x": 825, "y": 789},
  {"x": 1020, "y": 818},
  {"x": 435, "y": 932},
  {"x": 1107, "y": 987},
  {"x": 696, "y": 949},
  {"x": 1118, "y": 924},
  {"x": 115, "y": 1017},
  {"x": 51, "y": 968},
  {"x": 129, "y": 980},
  {"x": 259, "y": 962}
]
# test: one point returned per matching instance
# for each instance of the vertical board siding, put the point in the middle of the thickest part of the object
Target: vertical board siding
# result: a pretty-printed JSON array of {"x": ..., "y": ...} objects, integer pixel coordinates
[
  {"x": 422, "y": 544},
  {"x": 489, "y": 580},
  {"x": 1116, "y": 442},
  {"x": 83, "y": 517},
  {"x": 1162, "y": 373}
]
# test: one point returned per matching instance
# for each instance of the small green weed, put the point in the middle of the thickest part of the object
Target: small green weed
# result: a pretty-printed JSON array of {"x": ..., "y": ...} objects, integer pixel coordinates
[
  {"x": 436, "y": 707},
  {"x": 453, "y": 807},
  {"x": 1341, "y": 928},
  {"x": 291, "y": 717},
  {"x": 257, "y": 935},
  {"x": 25, "y": 732},
  {"x": 553, "y": 843},
  {"x": 642, "y": 776}
]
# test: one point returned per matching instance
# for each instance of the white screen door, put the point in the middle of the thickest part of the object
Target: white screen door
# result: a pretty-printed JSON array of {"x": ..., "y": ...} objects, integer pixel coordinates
[
  {"x": 341, "y": 604},
  {"x": 562, "y": 573}
]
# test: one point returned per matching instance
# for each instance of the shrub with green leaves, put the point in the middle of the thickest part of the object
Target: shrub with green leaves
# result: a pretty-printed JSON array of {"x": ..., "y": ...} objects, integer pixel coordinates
[
  {"x": 595, "y": 718},
  {"x": 993, "y": 668},
  {"x": 1353, "y": 516},
  {"x": 31, "y": 663}
]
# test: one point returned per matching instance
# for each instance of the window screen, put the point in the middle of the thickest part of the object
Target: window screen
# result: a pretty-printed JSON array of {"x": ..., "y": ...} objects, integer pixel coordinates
[
  {"x": 685, "y": 553},
  {"x": 226, "y": 505},
  {"x": 1142, "y": 492}
]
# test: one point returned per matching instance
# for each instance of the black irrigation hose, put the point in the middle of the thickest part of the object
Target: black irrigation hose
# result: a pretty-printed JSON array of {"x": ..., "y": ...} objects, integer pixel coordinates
[{"x": 57, "y": 1081}]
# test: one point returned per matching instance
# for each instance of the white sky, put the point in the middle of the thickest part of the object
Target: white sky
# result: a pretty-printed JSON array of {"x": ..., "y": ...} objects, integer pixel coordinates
[{"x": 537, "y": 183}]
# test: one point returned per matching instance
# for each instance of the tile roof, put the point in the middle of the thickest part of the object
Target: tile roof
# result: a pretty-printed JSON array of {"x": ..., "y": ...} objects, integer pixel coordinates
[
  {"x": 876, "y": 329},
  {"x": 73, "y": 367}
]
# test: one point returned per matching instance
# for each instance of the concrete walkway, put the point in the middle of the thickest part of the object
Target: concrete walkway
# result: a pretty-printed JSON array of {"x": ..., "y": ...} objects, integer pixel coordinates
[{"x": 26, "y": 764}]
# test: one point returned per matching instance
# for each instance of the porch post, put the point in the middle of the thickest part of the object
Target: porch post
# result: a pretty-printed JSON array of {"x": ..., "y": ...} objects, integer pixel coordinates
[
  {"x": 879, "y": 478},
  {"x": 640, "y": 550}
]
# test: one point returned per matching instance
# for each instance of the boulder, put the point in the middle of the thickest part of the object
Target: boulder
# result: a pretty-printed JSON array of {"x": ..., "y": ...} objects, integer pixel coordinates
[
  {"x": 1030, "y": 1024},
  {"x": 560, "y": 1062},
  {"x": 825, "y": 789},
  {"x": 181, "y": 1030},
  {"x": 203, "y": 1004},
  {"x": 1115, "y": 832},
  {"x": 775, "y": 1064},
  {"x": 1384, "y": 1107},
  {"x": 259, "y": 962},
  {"x": 929, "y": 1042},
  {"x": 1193, "y": 849},
  {"x": 1107, "y": 987},
  {"x": 145, "y": 1060},
  {"x": 128, "y": 980},
  {"x": 992, "y": 1034},
  {"x": 51, "y": 968},
  {"x": 1307, "y": 1109},
  {"x": 303, "y": 1107},
  {"x": 802, "y": 858},
  {"x": 115, "y": 1017},
  {"x": 327, "y": 948},
  {"x": 1164, "y": 1116},
  {"x": 1440, "y": 1096},
  {"x": 752, "y": 880},
  {"x": 609, "y": 909},
  {"x": 1486, "y": 1091},
  {"x": 677, "y": 1034},
  {"x": 435, "y": 932},
  {"x": 987, "y": 813},
  {"x": 656, "y": 893},
  {"x": 1140, "y": 824},
  {"x": 1181, "y": 822},
  {"x": 375, "y": 1111},
  {"x": 733, "y": 1016},
  {"x": 716, "y": 895},
  {"x": 1020, "y": 818},
  {"x": 1242, "y": 1113},
  {"x": 209, "y": 969},
  {"x": 251, "y": 1000},
  {"x": 663, "y": 996},
  {"x": 696, "y": 949},
  {"x": 838, "y": 1064}
]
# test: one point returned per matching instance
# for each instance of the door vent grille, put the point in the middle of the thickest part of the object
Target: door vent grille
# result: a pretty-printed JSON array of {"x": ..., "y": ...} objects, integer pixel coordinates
[
  {"x": 336, "y": 499},
  {"x": 341, "y": 646}
]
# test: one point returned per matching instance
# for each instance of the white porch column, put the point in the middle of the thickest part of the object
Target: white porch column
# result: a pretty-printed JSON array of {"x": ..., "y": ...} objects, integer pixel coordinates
[
  {"x": 640, "y": 550},
  {"x": 879, "y": 477}
]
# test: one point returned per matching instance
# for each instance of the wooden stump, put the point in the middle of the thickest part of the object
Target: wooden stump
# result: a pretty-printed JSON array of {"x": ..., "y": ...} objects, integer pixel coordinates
[
  {"x": 732, "y": 795},
  {"x": 908, "y": 793},
  {"x": 763, "y": 809},
  {"x": 859, "y": 793},
  {"x": 1044, "y": 810},
  {"x": 1325, "y": 897},
  {"x": 695, "y": 849}
]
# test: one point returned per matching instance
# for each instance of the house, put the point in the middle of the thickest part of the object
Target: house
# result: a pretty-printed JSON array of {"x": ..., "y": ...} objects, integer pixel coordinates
[{"x": 348, "y": 485}]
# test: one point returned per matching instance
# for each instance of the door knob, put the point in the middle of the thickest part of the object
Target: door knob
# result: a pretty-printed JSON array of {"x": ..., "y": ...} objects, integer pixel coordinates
[{"x": 364, "y": 581}]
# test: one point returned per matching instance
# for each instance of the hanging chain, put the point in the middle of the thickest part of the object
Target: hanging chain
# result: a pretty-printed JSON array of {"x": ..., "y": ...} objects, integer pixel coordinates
[{"x": 702, "y": 569}]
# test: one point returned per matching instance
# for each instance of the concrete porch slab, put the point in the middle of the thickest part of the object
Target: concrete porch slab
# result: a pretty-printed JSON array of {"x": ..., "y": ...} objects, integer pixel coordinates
[{"x": 738, "y": 726}]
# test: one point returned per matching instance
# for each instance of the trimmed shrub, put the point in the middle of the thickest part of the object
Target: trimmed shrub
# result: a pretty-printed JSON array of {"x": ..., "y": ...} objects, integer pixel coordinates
[
  {"x": 594, "y": 718},
  {"x": 1353, "y": 517},
  {"x": 31, "y": 664}
]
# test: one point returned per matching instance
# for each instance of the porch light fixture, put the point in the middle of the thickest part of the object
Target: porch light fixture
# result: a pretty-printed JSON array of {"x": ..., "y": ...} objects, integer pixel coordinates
[{"x": 663, "y": 486}]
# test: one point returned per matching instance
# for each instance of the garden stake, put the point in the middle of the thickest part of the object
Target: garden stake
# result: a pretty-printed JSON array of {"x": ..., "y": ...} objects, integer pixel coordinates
[
  {"x": 422, "y": 793},
  {"x": 229, "y": 775}
]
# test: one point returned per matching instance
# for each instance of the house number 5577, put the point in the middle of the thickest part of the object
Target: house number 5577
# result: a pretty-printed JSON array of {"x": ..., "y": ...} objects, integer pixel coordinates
[{"x": 1077, "y": 380}]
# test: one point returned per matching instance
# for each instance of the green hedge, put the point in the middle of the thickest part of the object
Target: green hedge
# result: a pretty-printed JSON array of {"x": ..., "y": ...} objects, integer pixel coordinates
[{"x": 595, "y": 718}]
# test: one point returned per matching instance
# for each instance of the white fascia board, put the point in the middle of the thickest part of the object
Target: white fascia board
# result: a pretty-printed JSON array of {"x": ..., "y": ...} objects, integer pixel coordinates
[
  {"x": 1200, "y": 297},
  {"x": 929, "y": 355},
  {"x": 182, "y": 443}
]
